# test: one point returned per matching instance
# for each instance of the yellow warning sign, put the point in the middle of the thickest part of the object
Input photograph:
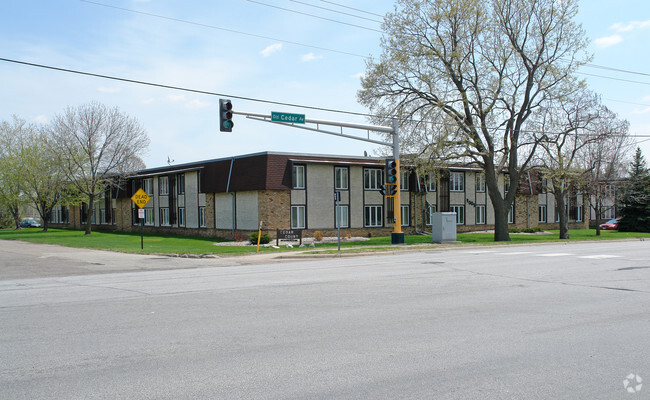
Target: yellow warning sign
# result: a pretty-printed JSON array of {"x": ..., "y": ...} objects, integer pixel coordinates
[{"x": 140, "y": 198}]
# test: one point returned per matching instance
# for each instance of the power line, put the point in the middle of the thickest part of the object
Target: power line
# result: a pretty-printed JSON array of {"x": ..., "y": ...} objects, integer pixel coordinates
[
  {"x": 314, "y": 16},
  {"x": 223, "y": 29},
  {"x": 252, "y": 99},
  {"x": 614, "y": 79},
  {"x": 335, "y": 11},
  {"x": 617, "y": 69},
  {"x": 159, "y": 85},
  {"x": 352, "y": 8}
]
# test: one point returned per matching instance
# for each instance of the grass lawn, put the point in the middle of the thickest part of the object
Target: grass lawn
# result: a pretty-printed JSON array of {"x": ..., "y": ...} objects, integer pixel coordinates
[{"x": 130, "y": 242}]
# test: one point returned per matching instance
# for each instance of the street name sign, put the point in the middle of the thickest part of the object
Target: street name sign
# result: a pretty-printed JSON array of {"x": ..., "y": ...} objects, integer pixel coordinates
[
  {"x": 140, "y": 198},
  {"x": 287, "y": 117}
]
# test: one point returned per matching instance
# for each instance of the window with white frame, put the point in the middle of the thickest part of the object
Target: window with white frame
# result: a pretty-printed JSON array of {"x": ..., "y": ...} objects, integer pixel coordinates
[
  {"x": 342, "y": 217},
  {"x": 404, "y": 179},
  {"x": 457, "y": 182},
  {"x": 181, "y": 216},
  {"x": 542, "y": 213},
  {"x": 147, "y": 186},
  {"x": 373, "y": 216},
  {"x": 428, "y": 215},
  {"x": 579, "y": 213},
  {"x": 432, "y": 182},
  {"x": 202, "y": 223},
  {"x": 164, "y": 216},
  {"x": 180, "y": 189},
  {"x": 460, "y": 214},
  {"x": 298, "y": 175},
  {"x": 506, "y": 183},
  {"x": 511, "y": 214},
  {"x": 480, "y": 214},
  {"x": 163, "y": 185},
  {"x": 405, "y": 215},
  {"x": 372, "y": 178},
  {"x": 297, "y": 217},
  {"x": 148, "y": 216},
  {"x": 480, "y": 182},
  {"x": 341, "y": 178}
]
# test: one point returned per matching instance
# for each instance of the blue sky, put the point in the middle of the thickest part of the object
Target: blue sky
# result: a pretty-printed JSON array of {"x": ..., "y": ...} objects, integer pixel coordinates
[{"x": 258, "y": 53}]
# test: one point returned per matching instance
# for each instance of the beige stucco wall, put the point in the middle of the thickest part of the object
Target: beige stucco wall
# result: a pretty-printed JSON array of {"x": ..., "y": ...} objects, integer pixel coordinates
[
  {"x": 247, "y": 210},
  {"x": 320, "y": 196}
]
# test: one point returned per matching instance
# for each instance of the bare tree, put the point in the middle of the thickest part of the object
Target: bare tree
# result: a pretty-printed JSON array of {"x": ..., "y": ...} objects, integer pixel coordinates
[
  {"x": 564, "y": 128},
  {"x": 605, "y": 161},
  {"x": 95, "y": 143},
  {"x": 486, "y": 66}
]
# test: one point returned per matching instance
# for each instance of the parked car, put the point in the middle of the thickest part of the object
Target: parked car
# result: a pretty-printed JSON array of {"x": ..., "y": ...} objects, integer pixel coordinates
[
  {"x": 30, "y": 223},
  {"x": 611, "y": 225}
]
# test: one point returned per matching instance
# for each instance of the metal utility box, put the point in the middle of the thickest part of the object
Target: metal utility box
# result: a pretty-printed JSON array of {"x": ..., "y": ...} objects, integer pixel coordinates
[{"x": 444, "y": 227}]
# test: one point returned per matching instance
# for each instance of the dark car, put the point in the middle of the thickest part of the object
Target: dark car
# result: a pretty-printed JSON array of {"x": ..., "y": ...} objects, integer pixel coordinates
[
  {"x": 611, "y": 225},
  {"x": 30, "y": 223}
]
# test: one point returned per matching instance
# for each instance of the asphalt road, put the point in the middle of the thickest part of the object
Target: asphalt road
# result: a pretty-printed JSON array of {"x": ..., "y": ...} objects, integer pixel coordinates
[{"x": 508, "y": 322}]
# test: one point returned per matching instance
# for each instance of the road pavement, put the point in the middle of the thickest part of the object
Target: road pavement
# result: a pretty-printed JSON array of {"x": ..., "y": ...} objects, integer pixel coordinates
[{"x": 558, "y": 321}]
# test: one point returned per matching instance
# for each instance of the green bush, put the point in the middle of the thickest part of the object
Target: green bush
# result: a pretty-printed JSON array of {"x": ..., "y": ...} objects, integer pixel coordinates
[{"x": 264, "y": 239}]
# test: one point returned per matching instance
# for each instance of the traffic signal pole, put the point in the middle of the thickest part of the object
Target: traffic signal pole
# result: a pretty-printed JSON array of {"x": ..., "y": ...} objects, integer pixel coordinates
[{"x": 299, "y": 121}]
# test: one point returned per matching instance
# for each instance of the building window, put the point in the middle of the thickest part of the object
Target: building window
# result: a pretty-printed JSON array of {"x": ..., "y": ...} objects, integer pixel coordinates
[
  {"x": 163, "y": 185},
  {"x": 429, "y": 214},
  {"x": 372, "y": 179},
  {"x": 373, "y": 216},
  {"x": 457, "y": 182},
  {"x": 480, "y": 215},
  {"x": 579, "y": 213},
  {"x": 460, "y": 214},
  {"x": 343, "y": 217},
  {"x": 148, "y": 216},
  {"x": 181, "y": 184},
  {"x": 181, "y": 216},
  {"x": 433, "y": 183},
  {"x": 480, "y": 182},
  {"x": 406, "y": 218},
  {"x": 164, "y": 216},
  {"x": 506, "y": 183},
  {"x": 202, "y": 217},
  {"x": 298, "y": 176},
  {"x": 542, "y": 213},
  {"x": 113, "y": 216},
  {"x": 297, "y": 217},
  {"x": 404, "y": 179},
  {"x": 341, "y": 178},
  {"x": 511, "y": 214},
  {"x": 147, "y": 186}
]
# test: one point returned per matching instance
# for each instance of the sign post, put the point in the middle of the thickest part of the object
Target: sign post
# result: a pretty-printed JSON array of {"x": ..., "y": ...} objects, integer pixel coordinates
[
  {"x": 141, "y": 198},
  {"x": 337, "y": 197},
  {"x": 259, "y": 236}
]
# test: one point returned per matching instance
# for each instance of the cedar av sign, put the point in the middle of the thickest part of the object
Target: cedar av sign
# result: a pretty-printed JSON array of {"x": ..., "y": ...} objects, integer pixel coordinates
[{"x": 288, "y": 118}]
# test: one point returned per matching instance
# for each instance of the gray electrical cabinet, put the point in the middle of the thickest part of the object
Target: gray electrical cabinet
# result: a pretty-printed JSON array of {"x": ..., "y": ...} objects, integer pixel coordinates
[{"x": 444, "y": 227}]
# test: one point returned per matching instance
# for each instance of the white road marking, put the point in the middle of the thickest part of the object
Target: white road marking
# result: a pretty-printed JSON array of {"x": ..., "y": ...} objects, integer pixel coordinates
[
  {"x": 554, "y": 255},
  {"x": 600, "y": 256}
]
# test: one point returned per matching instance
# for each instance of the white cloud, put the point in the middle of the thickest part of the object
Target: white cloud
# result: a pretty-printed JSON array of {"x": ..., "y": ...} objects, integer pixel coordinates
[
  {"x": 641, "y": 111},
  {"x": 194, "y": 104},
  {"x": 41, "y": 119},
  {"x": 109, "y": 90},
  {"x": 630, "y": 26},
  {"x": 176, "y": 97},
  {"x": 607, "y": 41},
  {"x": 310, "y": 57},
  {"x": 358, "y": 75},
  {"x": 274, "y": 48},
  {"x": 645, "y": 98}
]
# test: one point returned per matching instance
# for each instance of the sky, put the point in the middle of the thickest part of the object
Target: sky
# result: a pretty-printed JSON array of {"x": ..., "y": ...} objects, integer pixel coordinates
[{"x": 307, "y": 52}]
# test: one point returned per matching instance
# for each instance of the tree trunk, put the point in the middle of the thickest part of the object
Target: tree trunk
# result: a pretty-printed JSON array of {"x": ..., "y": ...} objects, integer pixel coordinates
[
  {"x": 501, "y": 233},
  {"x": 89, "y": 219},
  {"x": 15, "y": 213},
  {"x": 598, "y": 210},
  {"x": 560, "y": 206}
]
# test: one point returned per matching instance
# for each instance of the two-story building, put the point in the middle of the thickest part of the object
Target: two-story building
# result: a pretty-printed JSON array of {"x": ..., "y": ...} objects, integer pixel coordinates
[{"x": 221, "y": 197}]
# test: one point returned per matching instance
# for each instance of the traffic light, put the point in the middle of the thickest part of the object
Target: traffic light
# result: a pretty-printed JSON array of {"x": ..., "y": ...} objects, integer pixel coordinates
[
  {"x": 225, "y": 116},
  {"x": 391, "y": 170},
  {"x": 392, "y": 189},
  {"x": 382, "y": 190}
]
